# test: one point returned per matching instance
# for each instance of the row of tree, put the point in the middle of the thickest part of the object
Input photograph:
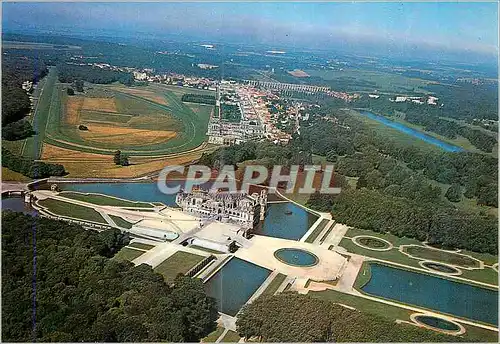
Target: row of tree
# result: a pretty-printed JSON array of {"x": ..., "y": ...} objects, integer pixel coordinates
[
  {"x": 15, "y": 100},
  {"x": 30, "y": 168},
  {"x": 198, "y": 98},
  {"x": 69, "y": 73},
  {"x": 76, "y": 293},
  {"x": 291, "y": 317}
]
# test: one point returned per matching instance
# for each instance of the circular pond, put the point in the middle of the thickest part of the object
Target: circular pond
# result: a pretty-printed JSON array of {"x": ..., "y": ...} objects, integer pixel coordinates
[
  {"x": 296, "y": 257},
  {"x": 439, "y": 324},
  {"x": 372, "y": 243},
  {"x": 440, "y": 267}
]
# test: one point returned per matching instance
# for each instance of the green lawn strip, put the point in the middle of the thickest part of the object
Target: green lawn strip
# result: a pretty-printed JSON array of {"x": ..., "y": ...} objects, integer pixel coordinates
[
  {"x": 317, "y": 231},
  {"x": 364, "y": 276},
  {"x": 441, "y": 256},
  {"x": 141, "y": 245},
  {"x": 121, "y": 222},
  {"x": 393, "y": 312},
  {"x": 72, "y": 210},
  {"x": 231, "y": 337},
  {"x": 327, "y": 233},
  {"x": 396, "y": 241},
  {"x": 213, "y": 336},
  {"x": 48, "y": 104},
  {"x": 488, "y": 259},
  {"x": 274, "y": 285},
  {"x": 104, "y": 200},
  {"x": 179, "y": 262},
  {"x": 128, "y": 254},
  {"x": 392, "y": 255},
  {"x": 196, "y": 247},
  {"x": 486, "y": 275}
]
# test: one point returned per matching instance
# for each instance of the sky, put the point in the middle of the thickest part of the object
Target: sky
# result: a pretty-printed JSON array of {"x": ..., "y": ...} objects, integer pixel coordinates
[{"x": 393, "y": 27}]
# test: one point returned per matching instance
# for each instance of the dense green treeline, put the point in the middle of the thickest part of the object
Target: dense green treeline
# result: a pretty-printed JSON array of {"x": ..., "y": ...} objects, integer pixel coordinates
[
  {"x": 391, "y": 175},
  {"x": 291, "y": 317},
  {"x": 69, "y": 73},
  {"x": 30, "y": 168},
  {"x": 443, "y": 226},
  {"x": 84, "y": 296},
  {"x": 15, "y": 100},
  {"x": 198, "y": 98}
]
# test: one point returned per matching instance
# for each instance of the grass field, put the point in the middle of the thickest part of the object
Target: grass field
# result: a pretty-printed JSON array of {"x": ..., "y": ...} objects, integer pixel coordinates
[
  {"x": 48, "y": 104},
  {"x": 231, "y": 337},
  {"x": 317, "y": 231},
  {"x": 385, "y": 82},
  {"x": 121, "y": 222},
  {"x": 128, "y": 254},
  {"x": 212, "y": 337},
  {"x": 146, "y": 120},
  {"x": 441, "y": 256},
  {"x": 141, "y": 245},
  {"x": 104, "y": 200},
  {"x": 9, "y": 175},
  {"x": 179, "y": 262},
  {"x": 274, "y": 285},
  {"x": 71, "y": 210}
]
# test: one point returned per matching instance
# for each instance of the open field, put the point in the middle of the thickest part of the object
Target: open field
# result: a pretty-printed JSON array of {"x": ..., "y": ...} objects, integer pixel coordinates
[
  {"x": 274, "y": 285},
  {"x": 90, "y": 165},
  {"x": 48, "y": 104},
  {"x": 179, "y": 262},
  {"x": 104, "y": 200},
  {"x": 213, "y": 336},
  {"x": 149, "y": 95},
  {"x": 71, "y": 210},
  {"x": 141, "y": 121},
  {"x": 141, "y": 245},
  {"x": 121, "y": 222},
  {"x": 231, "y": 337},
  {"x": 34, "y": 45},
  {"x": 384, "y": 81},
  {"x": 441, "y": 256},
  {"x": 128, "y": 254},
  {"x": 9, "y": 175}
]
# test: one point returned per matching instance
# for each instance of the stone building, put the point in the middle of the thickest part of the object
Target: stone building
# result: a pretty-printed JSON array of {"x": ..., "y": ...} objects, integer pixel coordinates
[{"x": 233, "y": 207}]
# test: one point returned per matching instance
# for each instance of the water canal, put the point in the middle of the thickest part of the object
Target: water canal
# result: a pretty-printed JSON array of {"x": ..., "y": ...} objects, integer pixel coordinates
[
  {"x": 234, "y": 284},
  {"x": 286, "y": 221},
  {"x": 433, "y": 292},
  {"x": 412, "y": 132}
]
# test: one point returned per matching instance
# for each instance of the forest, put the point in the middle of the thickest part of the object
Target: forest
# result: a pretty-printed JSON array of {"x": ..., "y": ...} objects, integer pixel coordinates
[
  {"x": 70, "y": 73},
  {"x": 291, "y": 317},
  {"x": 84, "y": 296},
  {"x": 15, "y": 101},
  {"x": 391, "y": 175}
]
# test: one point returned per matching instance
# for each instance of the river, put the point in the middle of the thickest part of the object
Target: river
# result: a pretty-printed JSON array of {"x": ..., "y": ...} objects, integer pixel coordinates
[{"x": 412, "y": 132}]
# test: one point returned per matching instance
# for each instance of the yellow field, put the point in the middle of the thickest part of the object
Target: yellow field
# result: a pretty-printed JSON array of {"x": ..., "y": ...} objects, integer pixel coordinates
[
  {"x": 144, "y": 94},
  {"x": 73, "y": 107},
  {"x": 99, "y": 104},
  {"x": 58, "y": 154},
  {"x": 125, "y": 136},
  {"x": 9, "y": 175}
]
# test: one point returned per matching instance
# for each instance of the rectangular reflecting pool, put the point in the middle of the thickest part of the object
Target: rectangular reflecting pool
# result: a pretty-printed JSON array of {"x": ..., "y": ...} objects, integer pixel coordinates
[
  {"x": 286, "y": 221},
  {"x": 234, "y": 284},
  {"x": 432, "y": 292}
]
